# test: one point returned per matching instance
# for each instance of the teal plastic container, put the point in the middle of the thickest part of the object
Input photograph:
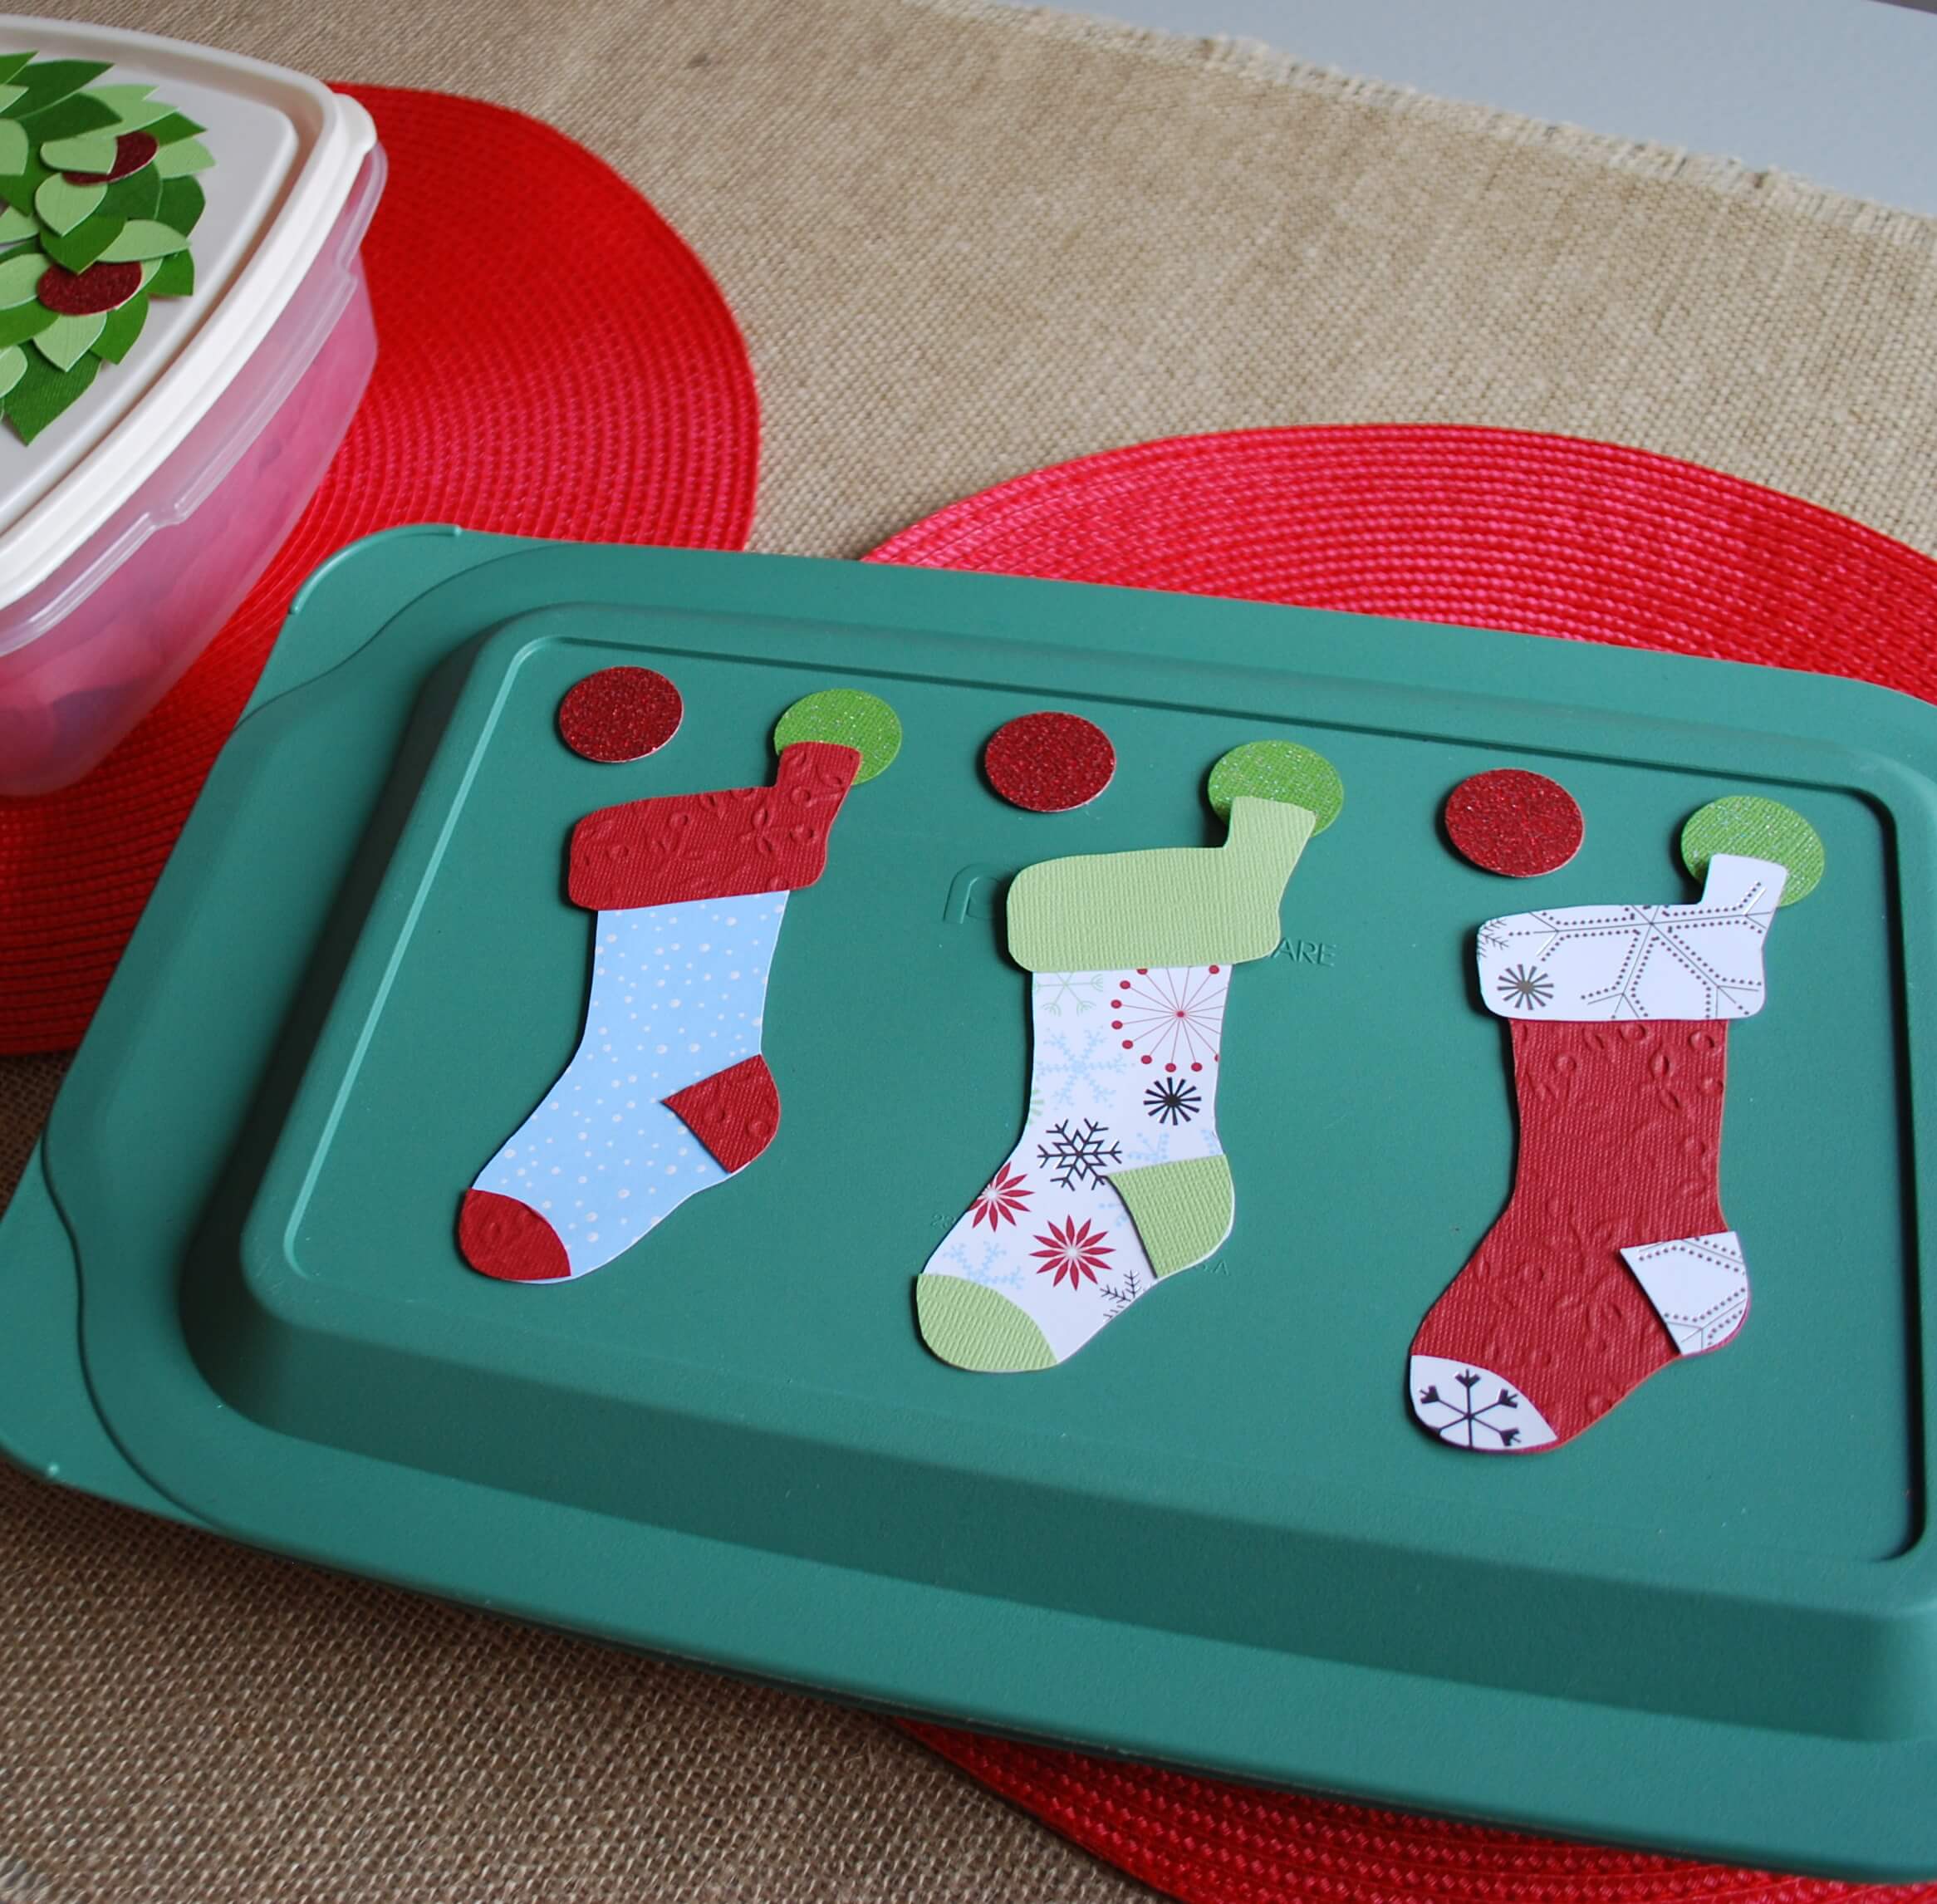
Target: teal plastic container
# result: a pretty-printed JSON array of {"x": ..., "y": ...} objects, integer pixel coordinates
[{"x": 230, "y": 1289}]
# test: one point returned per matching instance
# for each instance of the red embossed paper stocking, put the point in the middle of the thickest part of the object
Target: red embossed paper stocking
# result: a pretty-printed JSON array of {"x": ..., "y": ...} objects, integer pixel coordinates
[
  {"x": 1613, "y": 1257},
  {"x": 667, "y": 1093},
  {"x": 1546, "y": 1328}
]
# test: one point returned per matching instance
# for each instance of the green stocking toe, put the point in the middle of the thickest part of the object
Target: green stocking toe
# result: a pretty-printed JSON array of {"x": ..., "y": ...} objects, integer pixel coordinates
[{"x": 975, "y": 1327}]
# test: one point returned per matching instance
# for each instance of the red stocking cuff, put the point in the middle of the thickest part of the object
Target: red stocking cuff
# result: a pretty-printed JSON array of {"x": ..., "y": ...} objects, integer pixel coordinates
[{"x": 714, "y": 846}]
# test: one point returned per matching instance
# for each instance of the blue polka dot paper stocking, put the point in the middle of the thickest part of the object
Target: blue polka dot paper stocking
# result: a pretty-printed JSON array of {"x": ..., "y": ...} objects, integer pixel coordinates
[
  {"x": 678, "y": 993},
  {"x": 667, "y": 1092}
]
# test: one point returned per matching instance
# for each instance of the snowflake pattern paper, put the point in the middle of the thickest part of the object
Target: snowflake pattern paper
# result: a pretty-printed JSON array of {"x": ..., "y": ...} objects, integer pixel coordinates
[
  {"x": 1125, "y": 1069},
  {"x": 1587, "y": 963}
]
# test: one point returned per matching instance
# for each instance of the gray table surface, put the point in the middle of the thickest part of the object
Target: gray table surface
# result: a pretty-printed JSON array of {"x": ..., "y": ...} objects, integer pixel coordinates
[{"x": 1840, "y": 92}]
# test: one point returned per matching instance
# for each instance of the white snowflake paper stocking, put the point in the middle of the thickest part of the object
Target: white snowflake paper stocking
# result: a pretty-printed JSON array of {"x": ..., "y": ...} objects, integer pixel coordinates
[
  {"x": 1124, "y": 1083},
  {"x": 1119, "y": 1179}
]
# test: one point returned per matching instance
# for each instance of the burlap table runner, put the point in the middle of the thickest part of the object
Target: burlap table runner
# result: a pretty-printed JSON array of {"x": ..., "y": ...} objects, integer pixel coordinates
[{"x": 963, "y": 242}]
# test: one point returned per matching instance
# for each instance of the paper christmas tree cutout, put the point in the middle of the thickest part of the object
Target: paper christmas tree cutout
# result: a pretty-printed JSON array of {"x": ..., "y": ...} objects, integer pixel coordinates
[{"x": 98, "y": 187}]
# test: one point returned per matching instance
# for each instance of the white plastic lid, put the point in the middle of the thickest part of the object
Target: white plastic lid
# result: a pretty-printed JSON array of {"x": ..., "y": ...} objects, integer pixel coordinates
[{"x": 287, "y": 152}]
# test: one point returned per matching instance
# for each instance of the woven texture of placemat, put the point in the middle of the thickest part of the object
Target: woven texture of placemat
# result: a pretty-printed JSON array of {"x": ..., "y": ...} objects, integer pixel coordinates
[{"x": 961, "y": 244}]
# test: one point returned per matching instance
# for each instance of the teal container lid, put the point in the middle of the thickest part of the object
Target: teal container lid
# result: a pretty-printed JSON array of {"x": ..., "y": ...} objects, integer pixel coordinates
[{"x": 231, "y": 1290}]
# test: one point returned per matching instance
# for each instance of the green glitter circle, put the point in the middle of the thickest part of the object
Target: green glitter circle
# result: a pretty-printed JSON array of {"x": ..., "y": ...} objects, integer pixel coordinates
[
  {"x": 1761, "y": 829},
  {"x": 1277, "y": 770},
  {"x": 849, "y": 718}
]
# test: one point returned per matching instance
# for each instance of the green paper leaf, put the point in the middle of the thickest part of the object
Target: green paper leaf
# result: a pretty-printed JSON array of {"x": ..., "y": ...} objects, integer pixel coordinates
[
  {"x": 14, "y": 151},
  {"x": 174, "y": 278},
  {"x": 134, "y": 106},
  {"x": 48, "y": 81},
  {"x": 12, "y": 365},
  {"x": 62, "y": 206},
  {"x": 172, "y": 126},
  {"x": 14, "y": 65},
  {"x": 181, "y": 204},
  {"x": 143, "y": 238},
  {"x": 77, "y": 249},
  {"x": 18, "y": 188},
  {"x": 191, "y": 155},
  {"x": 84, "y": 152},
  {"x": 19, "y": 277},
  {"x": 123, "y": 327},
  {"x": 16, "y": 225},
  {"x": 67, "y": 339},
  {"x": 79, "y": 113},
  {"x": 137, "y": 196},
  {"x": 25, "y": 321},
  {"x": 43, "y": 393}
]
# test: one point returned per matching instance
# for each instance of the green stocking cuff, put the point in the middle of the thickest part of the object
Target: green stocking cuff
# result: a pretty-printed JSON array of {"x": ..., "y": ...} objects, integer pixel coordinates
[{"x": 1166, "y": 905}]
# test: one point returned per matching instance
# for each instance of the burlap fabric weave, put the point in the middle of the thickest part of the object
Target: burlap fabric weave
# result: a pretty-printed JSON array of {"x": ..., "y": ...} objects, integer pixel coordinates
[{"x": 963, "y": 242}]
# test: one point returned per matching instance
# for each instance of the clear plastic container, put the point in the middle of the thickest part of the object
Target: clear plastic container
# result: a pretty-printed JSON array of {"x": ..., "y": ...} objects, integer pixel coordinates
[{"x": 176, "y": 508}]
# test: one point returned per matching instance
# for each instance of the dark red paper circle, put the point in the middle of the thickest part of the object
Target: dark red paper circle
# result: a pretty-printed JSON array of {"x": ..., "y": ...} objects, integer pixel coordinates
[
  {"x": 1511, "y": 821},
  {"x": 1495, "y": 529},
  {"x": 1049, "y": 763},
  {"x": 637, "y": 422},
  {"x": 620, "y": 714},
  {"x": 82, "y": 294},
  {"x": 132, "y": 151}
]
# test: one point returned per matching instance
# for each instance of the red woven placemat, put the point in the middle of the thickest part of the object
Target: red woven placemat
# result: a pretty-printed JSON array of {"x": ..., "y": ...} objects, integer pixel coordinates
[
  {"x": 1501, "y": 529},
  {"x": 1495, "y": 528},
  {"x": 615, "y": 404}
]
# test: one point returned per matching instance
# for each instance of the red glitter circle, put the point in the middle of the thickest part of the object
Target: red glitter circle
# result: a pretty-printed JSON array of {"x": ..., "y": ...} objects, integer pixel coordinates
[
  {"x": 620, "y": 714},
  {"x": 132, "y": 151},
  {"x": 1049, "y": 763},
  {"x": 1514, "y": 823},
  {"x": 82, "y": 293}
]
